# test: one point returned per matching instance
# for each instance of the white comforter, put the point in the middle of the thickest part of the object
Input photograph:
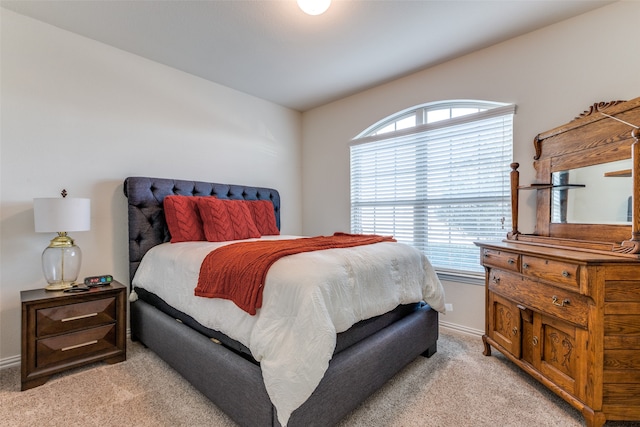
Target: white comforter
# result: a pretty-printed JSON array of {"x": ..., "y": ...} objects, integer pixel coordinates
[{"x": 313, "y": 294}]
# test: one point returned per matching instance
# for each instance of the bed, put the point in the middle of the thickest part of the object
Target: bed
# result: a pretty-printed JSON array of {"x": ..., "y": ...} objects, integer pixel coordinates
[{"x": 219, "y": 364}]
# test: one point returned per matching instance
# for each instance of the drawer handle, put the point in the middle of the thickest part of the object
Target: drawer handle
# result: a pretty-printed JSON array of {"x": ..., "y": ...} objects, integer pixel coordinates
[
  {"x": 565, "y": 273},
  {"x": 535, "y": 340},
  {"x": 84, "y": 344},
  {"x": 555, "y": 301},
  {"x": 495, "y": 280},
  {"x": 83, "y": 316},
  {"x": 514, "y": 331},
  {"x": 525, "y": 265}
]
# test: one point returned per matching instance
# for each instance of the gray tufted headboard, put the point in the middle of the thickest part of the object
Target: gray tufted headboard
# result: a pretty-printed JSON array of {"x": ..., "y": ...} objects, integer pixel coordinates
[{"x": 147, "y": 225}]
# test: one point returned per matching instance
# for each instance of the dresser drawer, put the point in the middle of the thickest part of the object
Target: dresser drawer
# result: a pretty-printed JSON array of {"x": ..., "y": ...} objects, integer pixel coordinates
[
  {"x": 66, "y": 347},
  {"x": 501, "y": 259},
  {"x": 564, "y": 304},
  {"x": 65, "y": 318},
  {"x": 557, "y": 272}
]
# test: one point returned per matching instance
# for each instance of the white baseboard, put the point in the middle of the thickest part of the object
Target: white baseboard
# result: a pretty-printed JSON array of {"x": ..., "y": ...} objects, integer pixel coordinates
[
  {"x": 10, "y": 362},
  {"x": 460, "y": 328}
]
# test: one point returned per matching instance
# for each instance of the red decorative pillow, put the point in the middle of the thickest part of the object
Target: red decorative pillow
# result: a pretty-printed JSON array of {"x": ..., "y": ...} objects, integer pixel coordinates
[
  {"x": 183, "y": 219},
  {"x": 264, "y": 217},
  {"x": 224, "y": 220}
]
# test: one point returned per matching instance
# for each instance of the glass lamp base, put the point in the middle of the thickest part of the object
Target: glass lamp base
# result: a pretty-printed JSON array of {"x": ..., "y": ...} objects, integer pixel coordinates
[{"x": 61, "y": 263}]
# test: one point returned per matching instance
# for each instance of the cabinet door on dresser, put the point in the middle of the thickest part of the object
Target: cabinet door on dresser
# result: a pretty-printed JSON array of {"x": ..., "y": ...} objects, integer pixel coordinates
[
  {"x": 505, "y": 323},
  {"x": 558, "y": 353}
]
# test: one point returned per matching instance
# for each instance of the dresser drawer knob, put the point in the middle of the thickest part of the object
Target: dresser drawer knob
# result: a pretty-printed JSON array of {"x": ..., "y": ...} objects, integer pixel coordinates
[
  {"x": 556, "y": 301},
  {"x": 514, "y": 331},
  {"x": 565, "y": 273},
  {"x": 511, "y": 261},
  {"x": 535, "y": 340},
  {"x": 495, "y": 280},
  {"x": 525, "y": 265}
]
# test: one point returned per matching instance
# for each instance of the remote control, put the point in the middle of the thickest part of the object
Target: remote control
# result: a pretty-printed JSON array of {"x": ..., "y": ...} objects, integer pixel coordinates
[
  {"x": 77, "y": 288},
  {"x": 93, "y": 281}
]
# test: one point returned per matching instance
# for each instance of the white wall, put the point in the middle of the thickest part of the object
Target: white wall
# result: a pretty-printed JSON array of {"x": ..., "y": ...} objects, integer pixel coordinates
[
  {"x": 81, "y": 115},
  {"x": 552, "y": 75}
]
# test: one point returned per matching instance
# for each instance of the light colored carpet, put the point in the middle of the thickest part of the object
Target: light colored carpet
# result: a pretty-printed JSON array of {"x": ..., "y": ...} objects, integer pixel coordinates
[{"x": 458, "y": 386}]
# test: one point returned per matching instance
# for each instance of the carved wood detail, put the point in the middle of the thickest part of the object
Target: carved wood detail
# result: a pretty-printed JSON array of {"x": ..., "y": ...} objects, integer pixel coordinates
[
  {"x": 627, "y": 247},
  {"x": 537, "y": 145},
  {"x": 504, "y": 321},
  {"x": 561, "y": 349},
  {"x": 597, "y": 107}
]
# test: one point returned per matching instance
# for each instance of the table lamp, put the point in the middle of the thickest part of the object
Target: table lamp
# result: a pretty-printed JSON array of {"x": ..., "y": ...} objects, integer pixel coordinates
[{"x": 62, "y": 258}]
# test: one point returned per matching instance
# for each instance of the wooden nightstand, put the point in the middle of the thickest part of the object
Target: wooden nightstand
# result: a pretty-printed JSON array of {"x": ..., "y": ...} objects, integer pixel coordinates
[{"x": 62, "y": 330}]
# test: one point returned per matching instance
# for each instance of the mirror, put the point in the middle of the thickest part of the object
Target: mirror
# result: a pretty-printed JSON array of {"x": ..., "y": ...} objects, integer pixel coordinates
[
  {"x": 598, "y": 194},
  {"x": 587, "y": 182}
]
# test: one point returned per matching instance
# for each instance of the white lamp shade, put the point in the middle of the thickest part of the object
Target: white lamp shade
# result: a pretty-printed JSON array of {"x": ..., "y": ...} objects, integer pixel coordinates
[{"x": 58, "y": 214}]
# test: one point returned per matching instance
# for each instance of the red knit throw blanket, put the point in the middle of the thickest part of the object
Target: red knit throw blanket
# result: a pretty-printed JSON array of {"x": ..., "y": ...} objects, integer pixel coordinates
[{"x": 237, "y": 271}]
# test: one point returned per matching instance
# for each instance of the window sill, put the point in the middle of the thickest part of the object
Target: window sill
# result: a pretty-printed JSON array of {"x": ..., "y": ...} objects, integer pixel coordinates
[{"x": 459, "y": 277}]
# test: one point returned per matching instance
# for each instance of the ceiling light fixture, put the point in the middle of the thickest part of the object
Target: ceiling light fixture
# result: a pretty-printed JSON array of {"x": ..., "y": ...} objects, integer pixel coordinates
[{"x": 314, "y": 7}]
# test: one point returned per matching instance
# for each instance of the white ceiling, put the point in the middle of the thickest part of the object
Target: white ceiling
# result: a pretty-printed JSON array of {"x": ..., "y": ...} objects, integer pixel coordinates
[{"x": 272, "y": 50}]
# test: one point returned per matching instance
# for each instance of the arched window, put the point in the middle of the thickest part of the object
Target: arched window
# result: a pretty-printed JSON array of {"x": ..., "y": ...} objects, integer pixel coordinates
[{"x": 436, "y": 177}]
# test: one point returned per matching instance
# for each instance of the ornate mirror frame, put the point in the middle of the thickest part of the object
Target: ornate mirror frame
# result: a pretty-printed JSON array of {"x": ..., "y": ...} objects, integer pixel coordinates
[{"x": 606, "y": 132}]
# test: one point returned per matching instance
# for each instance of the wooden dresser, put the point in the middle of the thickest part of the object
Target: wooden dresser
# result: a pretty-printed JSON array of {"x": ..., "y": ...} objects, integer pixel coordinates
[
  {"x": 572, "y": 320},
  {"x": 564, "y": 303}
]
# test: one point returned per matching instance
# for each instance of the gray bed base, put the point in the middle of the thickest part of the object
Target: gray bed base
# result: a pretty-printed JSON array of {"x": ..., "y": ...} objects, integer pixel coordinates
[{"x": 233, "y": 383}]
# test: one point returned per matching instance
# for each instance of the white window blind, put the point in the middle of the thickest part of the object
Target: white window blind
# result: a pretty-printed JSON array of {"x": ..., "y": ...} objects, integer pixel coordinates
[{"x": 439, "y": 187}]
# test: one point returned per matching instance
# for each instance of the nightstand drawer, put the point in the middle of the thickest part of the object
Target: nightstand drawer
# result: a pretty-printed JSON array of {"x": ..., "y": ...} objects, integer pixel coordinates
[
  {"x": 557, "y": 272},
  {"x": 65, "y": 318},
  {"x": 563, "y": 304},
  {"x": 504, "y": 260},
  {"x": 78, "y": 344}
]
